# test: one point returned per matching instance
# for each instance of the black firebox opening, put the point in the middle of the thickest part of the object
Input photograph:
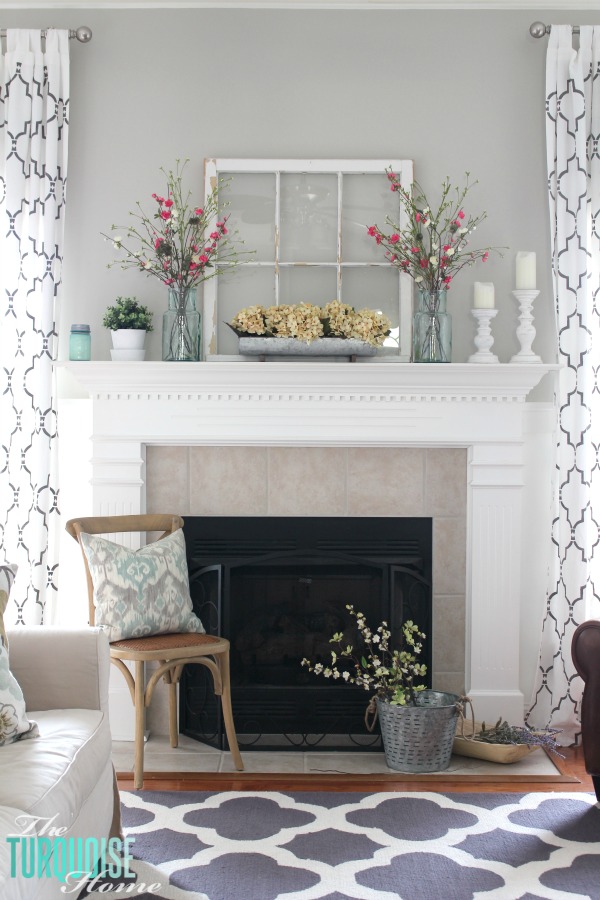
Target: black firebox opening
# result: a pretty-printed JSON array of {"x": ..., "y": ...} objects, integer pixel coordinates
[{"x": 278, "y": 588}]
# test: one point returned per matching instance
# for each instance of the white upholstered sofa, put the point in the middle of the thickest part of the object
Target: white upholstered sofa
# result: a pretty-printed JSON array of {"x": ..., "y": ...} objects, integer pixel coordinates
[{"x": 66, "y": 774}]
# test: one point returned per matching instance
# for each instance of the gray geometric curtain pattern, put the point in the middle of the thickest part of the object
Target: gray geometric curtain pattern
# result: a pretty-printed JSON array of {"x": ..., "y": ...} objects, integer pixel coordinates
[
  {"x": 34, "y": 104},
  {"x": 573, "y": 156}
]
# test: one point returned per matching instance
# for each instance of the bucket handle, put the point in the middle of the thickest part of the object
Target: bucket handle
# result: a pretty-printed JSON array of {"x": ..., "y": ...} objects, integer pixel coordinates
[
  {"x": 371, "y": 714},
  {"x": 460, "y": 706}
]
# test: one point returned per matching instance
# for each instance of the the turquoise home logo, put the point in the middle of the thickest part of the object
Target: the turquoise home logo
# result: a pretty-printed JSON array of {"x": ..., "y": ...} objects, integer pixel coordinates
[{"x": 41, "y": 849}]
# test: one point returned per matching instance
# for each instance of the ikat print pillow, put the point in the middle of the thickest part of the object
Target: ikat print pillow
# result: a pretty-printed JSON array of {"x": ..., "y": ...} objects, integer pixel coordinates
[
  {"x": 7, "y": 578},
  {"x": 139, "y": 593},
  {"x": 14, "y": 724}
]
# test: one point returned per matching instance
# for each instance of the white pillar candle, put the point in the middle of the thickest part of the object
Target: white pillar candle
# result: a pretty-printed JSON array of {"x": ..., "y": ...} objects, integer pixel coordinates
[
  {"x": 483, "y": 295},
  {"x": 525, "y": 271}
]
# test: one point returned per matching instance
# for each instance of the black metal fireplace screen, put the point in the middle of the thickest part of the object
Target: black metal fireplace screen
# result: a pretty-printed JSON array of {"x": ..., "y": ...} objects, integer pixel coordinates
[{"x": 278, "y": 588}]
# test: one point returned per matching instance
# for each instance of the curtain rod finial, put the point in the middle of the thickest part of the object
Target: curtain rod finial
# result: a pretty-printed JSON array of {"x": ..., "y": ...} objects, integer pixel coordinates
[
  {"x": 538, "y": 30},
  {"x": 84, "y": 34}
]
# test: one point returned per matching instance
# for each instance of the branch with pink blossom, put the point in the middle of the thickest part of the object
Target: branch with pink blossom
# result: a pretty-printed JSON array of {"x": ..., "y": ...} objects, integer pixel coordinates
[
  {"x": 180, "y": 243},
  {"x": 433, "y": 247}
]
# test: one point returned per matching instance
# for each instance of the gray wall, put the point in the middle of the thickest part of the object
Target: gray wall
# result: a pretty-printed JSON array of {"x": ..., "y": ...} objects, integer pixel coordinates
[{"x": 455, "y": 91}]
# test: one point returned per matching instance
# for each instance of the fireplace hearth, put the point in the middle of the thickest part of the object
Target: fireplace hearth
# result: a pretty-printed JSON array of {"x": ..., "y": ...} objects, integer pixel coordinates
[{"x": 278, "y": 588}]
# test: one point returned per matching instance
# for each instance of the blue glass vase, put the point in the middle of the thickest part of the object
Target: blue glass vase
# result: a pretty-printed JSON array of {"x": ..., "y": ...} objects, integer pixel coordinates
[
  {"x": 432, "y": 328},
  {"x": 182, "y": 327}
]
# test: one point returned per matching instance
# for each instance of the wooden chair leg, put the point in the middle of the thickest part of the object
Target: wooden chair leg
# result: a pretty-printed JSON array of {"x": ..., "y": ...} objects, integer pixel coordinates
[
  {"x": 223, "y": 661},
  {"x": 173, "y": 725},
  {"x": 140, "y": 721}
]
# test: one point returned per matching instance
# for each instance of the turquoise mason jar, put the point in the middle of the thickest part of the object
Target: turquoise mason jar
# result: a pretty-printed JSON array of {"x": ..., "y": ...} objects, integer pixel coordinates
[{"x": 80, "y": 343}]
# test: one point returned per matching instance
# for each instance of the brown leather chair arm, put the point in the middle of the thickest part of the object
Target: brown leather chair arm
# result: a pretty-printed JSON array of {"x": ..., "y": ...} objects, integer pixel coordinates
[{"x": 585, "y": 650}]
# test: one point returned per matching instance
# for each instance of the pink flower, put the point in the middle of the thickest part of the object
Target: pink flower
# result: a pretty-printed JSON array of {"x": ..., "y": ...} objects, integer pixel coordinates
[
  {"x": 423, "y": 263},
  {"x": 447, "y": 247},
  {"x": 372, "y": 231},
  {"x": 169, "y": 281},
  {"x": 447, "y": 279},
  {"x": 394, "y": 238},
  {"x": 215, "y": 235},
  {"x": 198, "y": 212},
  {"x": 165, "y": 214},
  {"x": 377, "y": 238},
  {"x": 203, "y": 259},
  {"x": 461, "y": 214},
  {"x": 168, "y": 203},
  {"x": 414, "y": 249},
  {"x": 418, "y": 217},
  {"x": 485, "y": 256}
]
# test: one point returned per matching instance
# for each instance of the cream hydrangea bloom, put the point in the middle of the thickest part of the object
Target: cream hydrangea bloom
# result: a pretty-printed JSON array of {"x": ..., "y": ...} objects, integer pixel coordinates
[{"x": 307, "y": 322}]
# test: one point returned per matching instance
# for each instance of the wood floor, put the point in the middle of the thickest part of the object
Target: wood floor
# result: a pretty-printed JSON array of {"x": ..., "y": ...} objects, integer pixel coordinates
[{"x": 572, "y": 777}]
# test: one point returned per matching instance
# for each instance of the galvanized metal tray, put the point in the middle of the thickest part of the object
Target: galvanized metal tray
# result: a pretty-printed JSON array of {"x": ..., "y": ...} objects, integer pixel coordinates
[{"x": 283, "y": 346}]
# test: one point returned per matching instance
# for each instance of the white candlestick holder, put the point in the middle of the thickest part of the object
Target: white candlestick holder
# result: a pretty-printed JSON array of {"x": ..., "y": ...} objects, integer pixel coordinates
[
  {"x": 483, "y": 338},
  {"x": 525, "y": 328}
]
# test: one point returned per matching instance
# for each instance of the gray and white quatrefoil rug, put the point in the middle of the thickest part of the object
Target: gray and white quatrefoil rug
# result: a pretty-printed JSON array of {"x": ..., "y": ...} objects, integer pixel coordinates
[{"x": 347, "y": 846}]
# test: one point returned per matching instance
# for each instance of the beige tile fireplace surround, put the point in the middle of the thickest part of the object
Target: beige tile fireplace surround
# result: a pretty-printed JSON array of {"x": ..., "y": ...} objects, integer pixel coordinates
[
  {"x": 457, "y": 443},
  {"x": 331, "y": 481}
]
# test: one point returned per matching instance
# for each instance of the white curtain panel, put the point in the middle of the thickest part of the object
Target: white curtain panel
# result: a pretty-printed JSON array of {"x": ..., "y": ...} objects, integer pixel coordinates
[
  {"x": 572, "y": 137},
  {"x": 34, "y": 85}
]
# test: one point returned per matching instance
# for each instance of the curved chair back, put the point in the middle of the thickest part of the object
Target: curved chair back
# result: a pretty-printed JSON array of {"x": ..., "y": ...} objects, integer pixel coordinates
[{"x": 145, "y": 523}]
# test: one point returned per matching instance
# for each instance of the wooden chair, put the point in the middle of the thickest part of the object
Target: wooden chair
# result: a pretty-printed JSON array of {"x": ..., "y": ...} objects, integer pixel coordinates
[
  {"x": 171, "y": 651},
  {"x": 585, "y": 650}
]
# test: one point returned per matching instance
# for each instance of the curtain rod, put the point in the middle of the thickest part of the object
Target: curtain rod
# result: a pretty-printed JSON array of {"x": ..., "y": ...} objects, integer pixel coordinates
[
  {"x": 82, "y": 34},
  {"x": 539, "y": 30}
]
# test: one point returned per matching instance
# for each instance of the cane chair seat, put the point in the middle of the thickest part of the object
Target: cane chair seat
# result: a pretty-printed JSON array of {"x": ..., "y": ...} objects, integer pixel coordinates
[
  {"x": 172, "y": 651},
  {"x": 170, "y": 646}
]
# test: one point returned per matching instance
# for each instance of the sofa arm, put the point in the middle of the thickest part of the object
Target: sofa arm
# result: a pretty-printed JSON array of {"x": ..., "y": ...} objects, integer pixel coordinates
[
  {"x": 585, "y": 649},
  {"x": 60, "y": 668}
]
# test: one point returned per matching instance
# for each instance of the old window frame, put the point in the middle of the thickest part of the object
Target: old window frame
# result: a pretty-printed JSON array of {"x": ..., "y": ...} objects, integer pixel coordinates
[{"x": 215, "y": 168}]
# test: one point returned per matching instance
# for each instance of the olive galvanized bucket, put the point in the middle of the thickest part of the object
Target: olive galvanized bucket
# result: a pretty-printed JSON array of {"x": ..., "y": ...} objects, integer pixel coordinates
[{"x": 419, "y": 738}]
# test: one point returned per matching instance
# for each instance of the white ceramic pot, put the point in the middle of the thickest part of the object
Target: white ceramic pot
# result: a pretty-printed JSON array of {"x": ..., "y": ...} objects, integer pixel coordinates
[{"x": 128, "y": 338}]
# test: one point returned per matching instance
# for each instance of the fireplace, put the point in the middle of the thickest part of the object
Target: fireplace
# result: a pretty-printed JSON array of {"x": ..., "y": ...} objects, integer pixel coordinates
[
  {"x": 255, "y": 414},
  {"x": 278, "y": 588}
]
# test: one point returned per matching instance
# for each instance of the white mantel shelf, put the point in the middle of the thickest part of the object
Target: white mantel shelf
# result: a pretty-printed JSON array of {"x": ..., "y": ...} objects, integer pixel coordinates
[
  {"x": 401, "y": 381},
  {"x": 362, "y": 404},
  {"x": 307, "y": 403}
]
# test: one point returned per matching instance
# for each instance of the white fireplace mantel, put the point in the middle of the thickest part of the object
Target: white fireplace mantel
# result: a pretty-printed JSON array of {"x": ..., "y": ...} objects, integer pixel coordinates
[{"x": 480, "y": 407}]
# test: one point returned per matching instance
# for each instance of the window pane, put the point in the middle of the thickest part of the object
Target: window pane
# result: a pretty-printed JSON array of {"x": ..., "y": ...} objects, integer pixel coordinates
[
  {"x": 366, "y": 200},
  {"x": 374, "y": 288},
  {"x": 308, "y": 218},
  {"x": 246, "y": 286},
  {"x": 307, "y": 284},
  {"x": 252, "y": 211}
]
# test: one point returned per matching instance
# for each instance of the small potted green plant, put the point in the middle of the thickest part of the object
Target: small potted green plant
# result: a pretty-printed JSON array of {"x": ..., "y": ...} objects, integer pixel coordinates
[{"x": 128, "y": 322}]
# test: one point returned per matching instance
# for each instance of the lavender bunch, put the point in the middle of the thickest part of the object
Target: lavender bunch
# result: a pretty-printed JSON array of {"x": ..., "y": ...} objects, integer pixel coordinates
[{"x": 503, "y": 733}]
